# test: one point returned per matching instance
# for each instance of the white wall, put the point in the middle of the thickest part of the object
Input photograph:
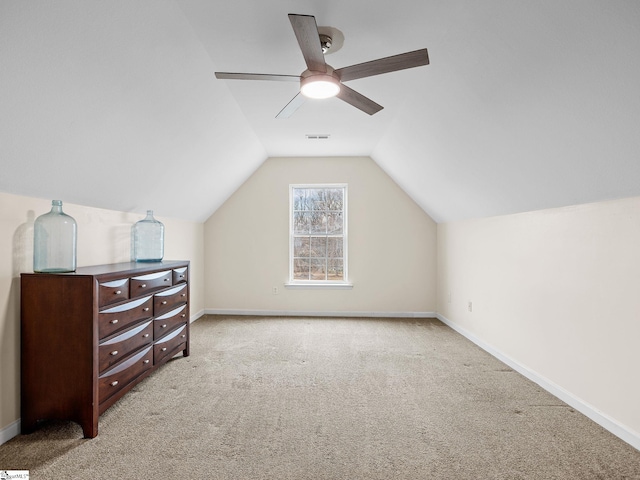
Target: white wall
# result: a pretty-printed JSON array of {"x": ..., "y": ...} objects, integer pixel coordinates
[
  {"x": 103, "y": 237},
  {"x": 392, "y": 244},
  {"x": 558, "y": 292}
]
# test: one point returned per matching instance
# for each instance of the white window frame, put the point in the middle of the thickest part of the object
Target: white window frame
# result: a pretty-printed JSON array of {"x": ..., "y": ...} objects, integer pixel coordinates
[{"x": 293, "y": 283}]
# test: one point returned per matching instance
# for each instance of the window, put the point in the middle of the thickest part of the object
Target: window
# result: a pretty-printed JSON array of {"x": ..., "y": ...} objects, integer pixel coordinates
[{"x": 318, "y": 234}]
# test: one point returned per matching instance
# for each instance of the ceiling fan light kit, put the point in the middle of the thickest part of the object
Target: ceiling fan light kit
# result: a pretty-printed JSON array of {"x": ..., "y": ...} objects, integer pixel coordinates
[
  {"x": 319, "y": 85},
  {"x": 320, "y": 80}
]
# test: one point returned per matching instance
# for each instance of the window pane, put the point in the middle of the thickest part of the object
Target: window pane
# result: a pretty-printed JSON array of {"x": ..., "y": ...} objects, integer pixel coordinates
[
  {"x": 334, "y": 247},
  {"x": 299, "y": 199},
  {"x": 318, "y": 222},
  {"x": 316, "y": 199},
  {"x": 301, "y": 247},
  {"x": 300, "y": 269},
  {"x": 334, "y": 198},
  {"x": 301, "y": 222},
  {"x": 318, "y": 247},
  {"x": 318, "y": 269},
  {"x": 335, "y": 223},
  {"x": 335, "y": 270}
]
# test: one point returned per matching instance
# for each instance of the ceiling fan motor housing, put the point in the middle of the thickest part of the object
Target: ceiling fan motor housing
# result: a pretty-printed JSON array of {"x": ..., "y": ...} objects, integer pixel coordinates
[{"x": 325, "y": 43}]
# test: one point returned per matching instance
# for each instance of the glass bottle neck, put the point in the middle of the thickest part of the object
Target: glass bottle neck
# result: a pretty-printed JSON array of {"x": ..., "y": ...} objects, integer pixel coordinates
[{"x": 56, "y": 206}]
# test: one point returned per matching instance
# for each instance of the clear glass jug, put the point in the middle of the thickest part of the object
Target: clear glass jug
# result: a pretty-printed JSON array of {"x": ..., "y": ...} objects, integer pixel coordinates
[
  {"x": 148, "y": 239},
  {"x": 54, "y": 241}
]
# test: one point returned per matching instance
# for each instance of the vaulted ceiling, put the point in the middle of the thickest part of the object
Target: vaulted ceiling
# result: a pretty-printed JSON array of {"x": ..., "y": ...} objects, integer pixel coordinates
[{"x": 525, "y": 104}]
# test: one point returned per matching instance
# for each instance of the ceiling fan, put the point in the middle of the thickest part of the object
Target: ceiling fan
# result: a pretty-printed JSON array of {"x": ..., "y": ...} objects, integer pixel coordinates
[{"x": 320, "y": 80}]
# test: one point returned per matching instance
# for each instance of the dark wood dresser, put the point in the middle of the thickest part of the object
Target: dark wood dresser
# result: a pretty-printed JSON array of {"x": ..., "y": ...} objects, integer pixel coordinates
[{"x": 90, "y": 336}]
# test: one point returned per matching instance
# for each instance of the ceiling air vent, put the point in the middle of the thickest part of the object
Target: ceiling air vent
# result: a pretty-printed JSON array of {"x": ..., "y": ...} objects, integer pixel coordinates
[{"x": 317, "y": 136}]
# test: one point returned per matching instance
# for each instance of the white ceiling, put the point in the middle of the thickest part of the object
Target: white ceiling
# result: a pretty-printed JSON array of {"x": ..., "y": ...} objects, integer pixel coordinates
[{"x": 525, "y": 105}]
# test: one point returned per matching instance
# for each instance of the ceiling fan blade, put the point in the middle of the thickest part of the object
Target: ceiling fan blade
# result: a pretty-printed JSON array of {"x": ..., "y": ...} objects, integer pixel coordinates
[
  {"x": 292, "y": 106},
  {"x": 306, "y": 30},
  {"x": 358, "y": 100},
  {"x": 257, "y": 76},
  {"x": 384, "y": 65}
]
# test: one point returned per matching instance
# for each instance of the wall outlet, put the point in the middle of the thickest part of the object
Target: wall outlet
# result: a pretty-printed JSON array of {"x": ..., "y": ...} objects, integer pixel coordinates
[
  {"x": 274, "y": 290},
  {"x": 471, "y": 306}
]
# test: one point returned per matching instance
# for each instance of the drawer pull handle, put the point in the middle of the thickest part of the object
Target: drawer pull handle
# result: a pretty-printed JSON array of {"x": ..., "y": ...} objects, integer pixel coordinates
[
  {"x": 117, "y": 292},
  {"x": 115, "y": 352},
  {"x": 163, "y": 349},
  {"x": 166, "y": 279},
  {"x": 184, "y": 294},
  {"x": 114, "y": 321},
  {"x": 181, "y": 276},
  {"x": 183, "y": 315},
  {"x": 146, "y": 309},
  {"x": 163, "y": 326},
  {"x": 114, "y": 383},
  {"x": 143, "y": 285},
  {"x": 183, "y": 336},
  {"x": 164, "y": 302},
  {"x": 145, "y": 362},
  {"x": 145, "y": 335}
]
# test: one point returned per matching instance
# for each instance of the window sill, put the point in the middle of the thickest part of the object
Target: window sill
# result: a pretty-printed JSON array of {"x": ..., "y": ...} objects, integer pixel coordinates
[{"x": 319, "y": 285}]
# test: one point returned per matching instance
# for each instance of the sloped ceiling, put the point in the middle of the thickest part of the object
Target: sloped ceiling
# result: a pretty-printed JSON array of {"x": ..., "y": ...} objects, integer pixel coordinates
[{"x": 525, "y": 105}]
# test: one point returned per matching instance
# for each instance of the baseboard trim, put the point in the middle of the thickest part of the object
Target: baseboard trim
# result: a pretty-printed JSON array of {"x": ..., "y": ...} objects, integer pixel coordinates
[
  {"x": 10, "y": 431},
  {"x": 196, "y": 316},
  {"x": 619, "y": 430},
  {"x": 307, "y": 313}
]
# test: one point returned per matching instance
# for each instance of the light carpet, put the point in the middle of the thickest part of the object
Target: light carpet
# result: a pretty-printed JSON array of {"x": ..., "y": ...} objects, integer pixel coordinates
[{"x": 330, "y": 398}]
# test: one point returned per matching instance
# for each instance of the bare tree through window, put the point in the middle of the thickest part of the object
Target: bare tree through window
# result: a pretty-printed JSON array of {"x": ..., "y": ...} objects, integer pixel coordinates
[{"x": 318, "y": 233}]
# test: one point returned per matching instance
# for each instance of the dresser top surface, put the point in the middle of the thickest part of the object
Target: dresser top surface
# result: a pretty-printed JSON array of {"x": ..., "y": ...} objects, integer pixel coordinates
[{"x": 127, "y": 268}]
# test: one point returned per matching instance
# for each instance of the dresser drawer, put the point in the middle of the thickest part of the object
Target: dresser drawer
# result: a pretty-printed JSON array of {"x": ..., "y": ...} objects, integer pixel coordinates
[
  {"x": 112, "y": 292},
  {"x": 115, "y": 349},
  {"x": 118, "y": 377},
  {"x": 169, "y": 344},
  {"x": 180, "y": 275},
  {"x": 163, "y": 302},
  {"x": 117, "y": 318},
  {"x": 147, "y": 283},
  {"x": 167, "y": 322}
]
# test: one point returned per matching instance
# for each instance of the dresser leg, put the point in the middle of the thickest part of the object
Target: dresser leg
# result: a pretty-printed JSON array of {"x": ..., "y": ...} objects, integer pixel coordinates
[{"x": 90, "y": 428}]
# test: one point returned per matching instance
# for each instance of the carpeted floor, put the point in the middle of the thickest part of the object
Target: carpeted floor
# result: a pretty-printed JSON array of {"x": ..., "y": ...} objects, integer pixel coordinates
[{"x": 330, "y": 398}]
